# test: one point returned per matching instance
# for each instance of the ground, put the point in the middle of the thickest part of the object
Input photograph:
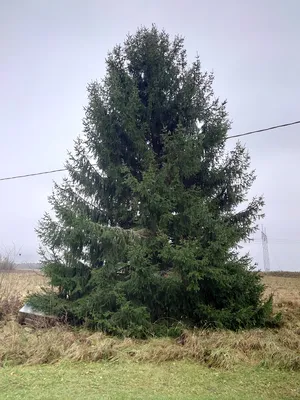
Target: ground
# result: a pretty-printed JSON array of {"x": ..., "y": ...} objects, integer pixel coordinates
[
  {"x": 170, "y": 380},
  {"x": 60, "y": 363}
]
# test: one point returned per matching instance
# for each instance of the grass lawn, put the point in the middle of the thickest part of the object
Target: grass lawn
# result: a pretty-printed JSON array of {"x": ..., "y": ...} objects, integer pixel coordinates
[
  {"x": 66, "y": 364},
  {"x": 130, "y": 380}
]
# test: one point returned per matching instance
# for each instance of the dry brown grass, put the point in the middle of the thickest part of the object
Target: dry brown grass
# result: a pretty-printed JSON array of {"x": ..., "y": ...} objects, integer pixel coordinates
[
  {"x": 21, "y": 282},
  {"x": 286, "y": 289},
  {"x": 15, "y": 286},
  {"x": 278, "y": 348}
]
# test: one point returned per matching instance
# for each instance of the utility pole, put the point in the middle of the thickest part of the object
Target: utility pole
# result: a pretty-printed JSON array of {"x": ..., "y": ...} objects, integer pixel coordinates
[{"x": 264, "y": 240}]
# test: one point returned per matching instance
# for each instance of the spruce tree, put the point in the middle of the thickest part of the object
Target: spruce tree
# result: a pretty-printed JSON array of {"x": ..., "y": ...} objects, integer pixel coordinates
[{"x": 146, "y": 226}]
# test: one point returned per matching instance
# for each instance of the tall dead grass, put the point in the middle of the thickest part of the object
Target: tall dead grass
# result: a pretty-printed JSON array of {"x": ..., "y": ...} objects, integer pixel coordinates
[
  {"x": 278, "y": 348},
  {"x": 14, "y": 286},
  {"x": 224, "y": 349}
]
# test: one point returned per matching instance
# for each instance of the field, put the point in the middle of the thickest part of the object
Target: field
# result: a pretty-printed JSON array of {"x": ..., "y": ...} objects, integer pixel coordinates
[{"x": 46, "y": 363}]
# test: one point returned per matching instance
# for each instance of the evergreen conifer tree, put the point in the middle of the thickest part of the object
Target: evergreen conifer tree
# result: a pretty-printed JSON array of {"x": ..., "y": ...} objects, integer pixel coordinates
[{"x": 146, "y": 226}]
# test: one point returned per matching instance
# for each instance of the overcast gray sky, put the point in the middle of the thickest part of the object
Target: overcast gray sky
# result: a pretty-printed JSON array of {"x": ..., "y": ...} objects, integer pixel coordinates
[{"x": 51, "y": 49}]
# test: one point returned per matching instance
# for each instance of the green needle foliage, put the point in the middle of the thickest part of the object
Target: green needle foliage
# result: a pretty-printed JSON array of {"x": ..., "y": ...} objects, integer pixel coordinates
[{"x": 145, "y": 232}]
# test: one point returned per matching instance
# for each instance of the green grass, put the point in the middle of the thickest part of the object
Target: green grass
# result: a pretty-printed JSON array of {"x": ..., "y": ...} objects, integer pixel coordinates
[{"x": 130, "y": 380}]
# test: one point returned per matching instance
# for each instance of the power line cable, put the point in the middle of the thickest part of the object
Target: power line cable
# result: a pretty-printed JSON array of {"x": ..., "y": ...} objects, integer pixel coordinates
[
  {"x": 34, "y": 174},
  {"x": 264, "y": 129},
  {"x": 228, "y": 137}
]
